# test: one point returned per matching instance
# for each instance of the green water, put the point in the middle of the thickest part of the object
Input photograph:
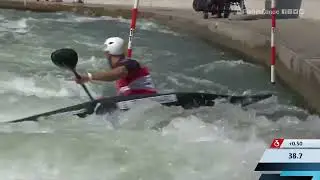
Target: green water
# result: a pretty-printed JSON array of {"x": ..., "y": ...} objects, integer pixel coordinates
[{"x": 220, "y": 142}]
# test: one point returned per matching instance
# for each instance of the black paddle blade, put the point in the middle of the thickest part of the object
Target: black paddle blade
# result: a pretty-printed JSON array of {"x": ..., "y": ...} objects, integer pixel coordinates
[{"x": 65, "y": 58}]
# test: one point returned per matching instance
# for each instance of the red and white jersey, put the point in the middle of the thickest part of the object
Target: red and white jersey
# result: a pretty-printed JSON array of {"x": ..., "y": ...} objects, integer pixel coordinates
[{"x": 138, "y": 80}]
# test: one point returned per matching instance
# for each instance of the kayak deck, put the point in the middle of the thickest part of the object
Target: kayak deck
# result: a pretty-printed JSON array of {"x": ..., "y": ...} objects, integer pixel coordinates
[{"x": 186, "y": 100}]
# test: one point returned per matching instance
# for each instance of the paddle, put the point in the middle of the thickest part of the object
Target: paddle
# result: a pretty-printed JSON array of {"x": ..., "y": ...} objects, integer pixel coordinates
[{"x": 67, "y": 58}]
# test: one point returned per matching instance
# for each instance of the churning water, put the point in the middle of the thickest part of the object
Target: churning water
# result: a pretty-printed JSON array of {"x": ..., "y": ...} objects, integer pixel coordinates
[{"x": 221, "y": 142}]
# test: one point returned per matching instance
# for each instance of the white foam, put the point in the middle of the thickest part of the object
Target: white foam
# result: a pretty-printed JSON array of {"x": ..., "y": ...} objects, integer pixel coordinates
[
  {"x": 141, "y": 24},
  {"x": 198, "y": 81},
  {"x": 27, "y": 86},
  {"x": 32, "y": 86},
  {"x": 209, "y": 67},
  {"x": 203, "y": 143},
  {"x": 18, "y": 26}
]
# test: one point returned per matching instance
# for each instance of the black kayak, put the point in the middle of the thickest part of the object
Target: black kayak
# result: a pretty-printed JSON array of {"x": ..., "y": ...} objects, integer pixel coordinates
[
  {"x": 124, "y": 103},
  {"x": 67, "y": 58}
]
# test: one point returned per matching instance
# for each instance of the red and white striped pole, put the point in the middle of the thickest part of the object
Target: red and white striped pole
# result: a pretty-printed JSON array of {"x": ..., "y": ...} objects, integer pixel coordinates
[
  {"x": 273, "y": 47},
  {"x": 132, "y": 26}
]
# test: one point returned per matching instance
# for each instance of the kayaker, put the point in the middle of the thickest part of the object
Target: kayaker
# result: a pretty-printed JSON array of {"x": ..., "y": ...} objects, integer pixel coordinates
[{"x": 131, "y": 78}]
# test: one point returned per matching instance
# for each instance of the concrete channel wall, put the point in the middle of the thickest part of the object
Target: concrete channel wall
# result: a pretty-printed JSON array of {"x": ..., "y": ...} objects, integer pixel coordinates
[{"x": 298, "y": 62}]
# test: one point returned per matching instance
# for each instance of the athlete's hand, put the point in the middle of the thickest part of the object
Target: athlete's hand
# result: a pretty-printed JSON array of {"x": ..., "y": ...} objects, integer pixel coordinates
[{"x": 82, "y": 80}]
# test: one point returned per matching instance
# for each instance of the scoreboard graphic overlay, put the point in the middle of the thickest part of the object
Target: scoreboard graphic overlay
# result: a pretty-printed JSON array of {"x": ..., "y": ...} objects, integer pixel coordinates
[{"x": 289, "y": 159}]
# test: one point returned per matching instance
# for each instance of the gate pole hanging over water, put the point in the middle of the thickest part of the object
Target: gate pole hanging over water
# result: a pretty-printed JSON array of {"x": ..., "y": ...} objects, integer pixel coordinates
[
  {"x": 273, "y": 48},
  {"x": 132, "y": 26}
]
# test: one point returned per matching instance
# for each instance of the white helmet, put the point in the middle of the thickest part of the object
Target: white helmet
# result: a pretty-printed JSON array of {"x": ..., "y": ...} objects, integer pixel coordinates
[{"x": 114, "y": 46}]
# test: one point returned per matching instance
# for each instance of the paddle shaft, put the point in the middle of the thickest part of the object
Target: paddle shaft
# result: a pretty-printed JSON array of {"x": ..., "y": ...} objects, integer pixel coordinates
[{"x": 83, "y": 86}]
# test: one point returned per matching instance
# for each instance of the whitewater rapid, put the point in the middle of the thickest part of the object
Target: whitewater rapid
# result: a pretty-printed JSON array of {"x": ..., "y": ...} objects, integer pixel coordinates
[{"x": 220, "y": 142}]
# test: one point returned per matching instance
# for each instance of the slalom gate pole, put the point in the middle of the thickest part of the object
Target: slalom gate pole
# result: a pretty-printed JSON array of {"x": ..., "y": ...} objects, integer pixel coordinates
[
  {"x": 132, "y": 26},
  {"x": 273, "y": 47}
]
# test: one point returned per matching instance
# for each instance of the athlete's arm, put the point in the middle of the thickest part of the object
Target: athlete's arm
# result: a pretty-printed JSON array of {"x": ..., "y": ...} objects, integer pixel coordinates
[{"x": 112, "y": 75}]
